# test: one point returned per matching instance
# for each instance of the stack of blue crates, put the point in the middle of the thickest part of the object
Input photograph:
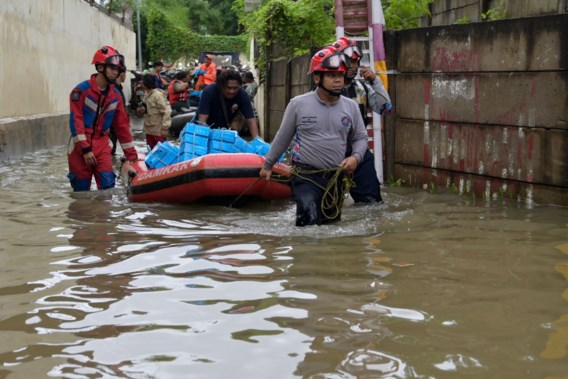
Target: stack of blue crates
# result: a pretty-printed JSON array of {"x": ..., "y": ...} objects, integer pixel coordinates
[
  {"x": 242, "y": 146},
  {"x": 163, "y": 154},
  {"x": 222, "y": 141},
  {"x": 194, "y": 141},
  {"x": 198, "y": 140},
  {"x": 259, "y": 147}
]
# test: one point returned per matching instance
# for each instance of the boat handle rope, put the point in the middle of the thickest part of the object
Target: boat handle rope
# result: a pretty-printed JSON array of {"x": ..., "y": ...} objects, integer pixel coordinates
[{"x": 332, "y": 198}]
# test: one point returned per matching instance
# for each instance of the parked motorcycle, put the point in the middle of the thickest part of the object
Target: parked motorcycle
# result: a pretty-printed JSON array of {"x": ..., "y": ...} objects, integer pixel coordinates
[
  {"x": 180, "y": 118},
  {"x": 137, "y": 96}
]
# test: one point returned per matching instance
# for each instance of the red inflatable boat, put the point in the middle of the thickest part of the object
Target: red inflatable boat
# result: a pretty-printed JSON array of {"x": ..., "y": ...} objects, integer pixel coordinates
[{"x": 217, "y": 177}]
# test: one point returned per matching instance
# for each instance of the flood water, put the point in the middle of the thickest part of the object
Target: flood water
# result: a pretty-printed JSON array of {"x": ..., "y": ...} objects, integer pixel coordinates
[{"x": 423, "y": 286}]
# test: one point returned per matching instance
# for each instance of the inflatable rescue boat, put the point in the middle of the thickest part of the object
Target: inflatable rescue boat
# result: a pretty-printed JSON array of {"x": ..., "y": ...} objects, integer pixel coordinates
[{"x": 220, "y": 177}]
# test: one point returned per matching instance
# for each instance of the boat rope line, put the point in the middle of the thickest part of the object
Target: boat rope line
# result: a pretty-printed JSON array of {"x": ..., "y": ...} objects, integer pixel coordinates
[
  {"x": 333, "y": 193},
  {"x": 244, "y": 192}
]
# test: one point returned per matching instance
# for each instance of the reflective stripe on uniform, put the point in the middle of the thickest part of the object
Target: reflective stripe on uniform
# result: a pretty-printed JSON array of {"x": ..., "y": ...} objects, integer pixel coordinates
[
  {"x": 91, "y": 104},
  {"x": 112, "y": 106},
  {"x": 127, "y": 145}
]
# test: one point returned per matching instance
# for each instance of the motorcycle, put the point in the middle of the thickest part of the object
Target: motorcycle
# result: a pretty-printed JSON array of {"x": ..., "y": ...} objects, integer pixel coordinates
[
  {"x": 180, "y": 118},
  {"x": 137, "y": 96}
]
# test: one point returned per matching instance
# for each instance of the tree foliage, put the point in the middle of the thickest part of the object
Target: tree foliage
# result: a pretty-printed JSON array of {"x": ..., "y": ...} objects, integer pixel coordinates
[
  {"x": 404, "y": 14},
  {"x": 295, "y": 26},
  {"x": 173, "y": 29},
  {"x": 170, "y": 30}
]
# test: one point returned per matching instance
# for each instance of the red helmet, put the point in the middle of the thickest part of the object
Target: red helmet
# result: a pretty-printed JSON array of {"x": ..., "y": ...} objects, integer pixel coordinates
[
  {"x": 348, "y": 47},
  {"x": 328, "y": 59},
  {"x": 108, "y": 55}
]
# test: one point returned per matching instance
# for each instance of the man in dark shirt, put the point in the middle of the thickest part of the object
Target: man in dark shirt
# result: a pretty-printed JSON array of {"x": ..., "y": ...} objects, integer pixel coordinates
[{"x": 224, "y": 99}]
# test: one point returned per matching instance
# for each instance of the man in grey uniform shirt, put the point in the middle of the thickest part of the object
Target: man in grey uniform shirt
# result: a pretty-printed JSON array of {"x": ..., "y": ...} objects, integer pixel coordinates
[
  {"x": 369, "y": 93},
  {"x": 319, "y": 122}
]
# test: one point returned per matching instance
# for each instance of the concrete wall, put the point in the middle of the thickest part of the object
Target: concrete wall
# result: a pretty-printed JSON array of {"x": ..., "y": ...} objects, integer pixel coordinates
[
  {"x": 484, "y": 107},
  {"x": 286, "y": 79},
  {"x": 47, "y": 47},
  {"x": 481, "y": 108},
  {"x": 447, "y": 12}
]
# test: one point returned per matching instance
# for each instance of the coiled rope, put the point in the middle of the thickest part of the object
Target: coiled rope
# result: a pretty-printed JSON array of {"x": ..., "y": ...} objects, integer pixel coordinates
[{"x": 333, "y": 197}]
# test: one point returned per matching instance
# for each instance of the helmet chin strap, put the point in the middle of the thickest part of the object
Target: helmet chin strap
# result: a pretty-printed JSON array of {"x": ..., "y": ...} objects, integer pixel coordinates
[
  {"x": 110, "y": 81},
  {"x": 330, "y": 92}
]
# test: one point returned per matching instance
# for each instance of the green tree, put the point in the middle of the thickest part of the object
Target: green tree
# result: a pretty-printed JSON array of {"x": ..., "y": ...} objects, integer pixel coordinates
[
  {"x": 292, "y": 26},
  {"x": 296, "y": 26},
  {"x": 404, "y": 14}
]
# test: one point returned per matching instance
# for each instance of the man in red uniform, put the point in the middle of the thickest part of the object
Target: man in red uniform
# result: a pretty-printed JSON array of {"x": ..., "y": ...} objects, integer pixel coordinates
[{"x": 96, "y": 105}]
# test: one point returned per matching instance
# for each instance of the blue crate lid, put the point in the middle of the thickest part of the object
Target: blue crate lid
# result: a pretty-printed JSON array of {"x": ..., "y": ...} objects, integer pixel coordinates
[
  {"x": 223, "y": 135},
  {"x": 195, "y": 129},
  {"x": 194, "y": 139}
]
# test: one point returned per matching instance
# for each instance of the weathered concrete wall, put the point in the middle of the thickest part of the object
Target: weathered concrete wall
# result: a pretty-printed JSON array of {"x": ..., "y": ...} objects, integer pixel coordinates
[
  {"x": 481, "y": 108},
  {"x": 286, "y": 79},
  {"x": 447, "y": 12},
  {"x": 484, "y": 107},
  {"x": 47, "y": 47}
]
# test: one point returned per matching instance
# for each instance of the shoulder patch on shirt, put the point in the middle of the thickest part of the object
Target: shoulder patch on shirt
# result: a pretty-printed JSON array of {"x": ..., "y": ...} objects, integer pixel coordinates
[{"x": 75, "y": 95}]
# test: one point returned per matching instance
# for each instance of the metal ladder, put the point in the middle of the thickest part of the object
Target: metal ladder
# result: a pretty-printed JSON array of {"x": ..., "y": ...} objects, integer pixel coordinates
[{"x": 353, "y": 19}]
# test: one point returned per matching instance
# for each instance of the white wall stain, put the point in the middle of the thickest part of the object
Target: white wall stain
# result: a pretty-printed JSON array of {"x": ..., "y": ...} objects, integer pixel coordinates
[
  {"x": 521, "y": 119},
  {"x": 426, "y": 124},
  {"x": 532, "y": 117},
  {"x": 434, "y": 151},
  {"x": 453, "y": 89},
  {"x": 487, "y": 192},
  {"x": 443, "y": 141},
  {"x": 511, "y": 164},
  {"x": 455, "y": 151},
  {"x": 480, "y": 168},
  {"x": 529, "y": 200},
  {"x": 530, "y": 175}
]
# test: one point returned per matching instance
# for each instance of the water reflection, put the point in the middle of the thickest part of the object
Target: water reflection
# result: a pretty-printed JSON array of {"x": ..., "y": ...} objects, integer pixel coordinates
[{"x": 422, "y": 286}]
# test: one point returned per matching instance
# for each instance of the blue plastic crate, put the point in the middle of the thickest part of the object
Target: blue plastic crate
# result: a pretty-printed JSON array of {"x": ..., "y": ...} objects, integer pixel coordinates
[
  {"x": 193, "y": 139},
  {"x": 195, "y": 129},
  {"x": 242, "y": 146},
  {"x": 193, "y": 149},
  {"x": 221, "y": 147},
  {"x": 225, "y": 135},
  {"x": 163, "y": 154},
  {"x": 258, "y": 145},
  {"x": 185, "y": 156}
]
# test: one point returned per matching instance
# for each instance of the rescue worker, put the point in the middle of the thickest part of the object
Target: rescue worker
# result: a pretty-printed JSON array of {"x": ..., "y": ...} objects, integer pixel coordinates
[
  {"x": 118, "y": 83},
  {"x": 206, "y": 73},
  {"x": 320, "y": 123},
  {"x": 178, "y": 92},
  {"x": 369, "y": 93},
  {"x": 96, "y": 105}
]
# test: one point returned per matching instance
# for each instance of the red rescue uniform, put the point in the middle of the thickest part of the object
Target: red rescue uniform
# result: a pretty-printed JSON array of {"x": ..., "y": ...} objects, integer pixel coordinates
[{"x": 93, "y": 112}]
